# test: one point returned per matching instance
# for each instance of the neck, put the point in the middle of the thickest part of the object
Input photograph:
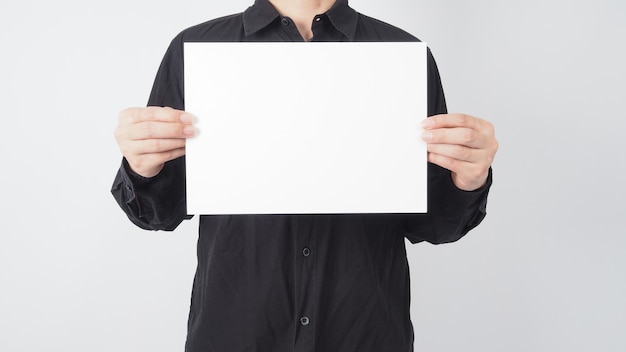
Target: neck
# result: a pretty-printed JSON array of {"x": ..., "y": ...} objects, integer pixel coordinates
[{"x": 302, "y": 12}]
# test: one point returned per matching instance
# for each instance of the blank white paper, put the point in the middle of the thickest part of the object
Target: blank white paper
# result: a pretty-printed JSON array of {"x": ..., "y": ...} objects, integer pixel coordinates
[{"x": 306, "y": 128}]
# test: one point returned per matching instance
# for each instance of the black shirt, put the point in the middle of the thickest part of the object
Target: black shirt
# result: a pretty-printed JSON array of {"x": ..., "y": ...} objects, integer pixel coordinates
[{"x": 297, "y": 282}]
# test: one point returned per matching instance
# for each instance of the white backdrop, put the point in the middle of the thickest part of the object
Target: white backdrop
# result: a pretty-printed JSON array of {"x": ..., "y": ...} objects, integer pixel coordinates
[{"x": 546, "y": 271}]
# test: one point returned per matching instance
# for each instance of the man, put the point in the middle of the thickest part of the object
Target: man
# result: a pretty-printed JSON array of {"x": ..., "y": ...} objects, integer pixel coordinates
[{"x": 299, "y": 282}]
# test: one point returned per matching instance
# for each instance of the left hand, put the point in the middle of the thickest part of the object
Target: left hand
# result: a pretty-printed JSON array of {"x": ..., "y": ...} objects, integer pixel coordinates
[{"x": 463, "y": 144}]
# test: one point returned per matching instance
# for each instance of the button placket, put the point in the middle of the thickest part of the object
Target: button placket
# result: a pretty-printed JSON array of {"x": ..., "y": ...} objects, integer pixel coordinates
[{"x": 305, "y": 285}]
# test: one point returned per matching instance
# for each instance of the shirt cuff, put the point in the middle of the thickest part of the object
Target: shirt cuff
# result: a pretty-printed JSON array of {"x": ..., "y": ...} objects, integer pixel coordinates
[{"x": 132, "y": 177}]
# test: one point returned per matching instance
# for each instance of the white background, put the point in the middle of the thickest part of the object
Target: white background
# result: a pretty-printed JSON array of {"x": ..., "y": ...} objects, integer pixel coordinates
[{"x": 546, "y": 271}]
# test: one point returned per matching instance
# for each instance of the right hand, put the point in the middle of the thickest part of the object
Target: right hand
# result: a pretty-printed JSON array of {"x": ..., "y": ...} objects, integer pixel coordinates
[{"x": 149, "y": 137}]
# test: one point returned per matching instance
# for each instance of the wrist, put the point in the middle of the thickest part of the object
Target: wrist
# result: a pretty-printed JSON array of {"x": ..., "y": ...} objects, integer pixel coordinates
[
  {"x": 144, "y": 172},
  {"x": 469, "y": 185}
]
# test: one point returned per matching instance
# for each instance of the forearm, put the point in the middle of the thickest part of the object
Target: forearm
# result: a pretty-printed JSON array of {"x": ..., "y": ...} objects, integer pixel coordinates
[
  {"x": 452, "y": 212},
  {"x": 156, "y": 203}
]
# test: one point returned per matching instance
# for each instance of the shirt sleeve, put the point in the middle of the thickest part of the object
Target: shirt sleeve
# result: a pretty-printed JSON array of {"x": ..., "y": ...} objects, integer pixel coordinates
[
  {"x": 452, "y": 212},
  {"x": 158, "y": 203}
]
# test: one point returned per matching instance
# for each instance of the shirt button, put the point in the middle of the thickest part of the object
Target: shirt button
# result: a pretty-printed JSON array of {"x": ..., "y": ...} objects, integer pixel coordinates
[
  {"x": 285, "y": 22},
  {"x": 317, "y": 19},
  {"x": 304, "y": 321},
  {"x": 306, "y": 252}
]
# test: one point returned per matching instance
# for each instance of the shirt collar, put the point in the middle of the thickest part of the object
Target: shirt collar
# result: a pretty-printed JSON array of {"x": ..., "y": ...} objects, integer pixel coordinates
[{"x": 262, "y": 13}]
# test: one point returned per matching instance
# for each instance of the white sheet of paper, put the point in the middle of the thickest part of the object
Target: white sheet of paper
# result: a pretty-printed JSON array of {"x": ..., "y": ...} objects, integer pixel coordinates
[{"x": 306, "y": 128}]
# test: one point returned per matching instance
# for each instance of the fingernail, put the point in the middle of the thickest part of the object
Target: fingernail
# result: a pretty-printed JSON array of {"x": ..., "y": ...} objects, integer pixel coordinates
[
  {"x": 189, "y": 131},
  {"x": 428, "y": 123},
  {"x": 427, "y": 136},
  {"x": 186, "y": 118}
]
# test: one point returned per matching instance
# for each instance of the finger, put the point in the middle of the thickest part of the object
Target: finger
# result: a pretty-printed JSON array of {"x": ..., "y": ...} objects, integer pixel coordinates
[
  {"x": 467, "y": 176},
  {"x": 455, "y": 151},
  {"x": 146, "y": 161},
  {"x": 452, "y": 120},
  {"x": 159, "y": 130},
  {"x": 168, "y": 155},
  {"x": 480, "y": 158},
  {"x": 462, "y": 136},
  {"x": 151, "y": 146},
  {"x": 153, "y": 113},
  {"x": 451, "y": 164}
]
